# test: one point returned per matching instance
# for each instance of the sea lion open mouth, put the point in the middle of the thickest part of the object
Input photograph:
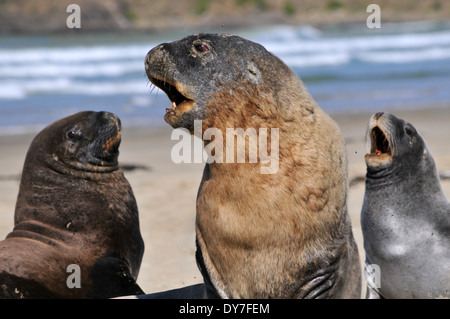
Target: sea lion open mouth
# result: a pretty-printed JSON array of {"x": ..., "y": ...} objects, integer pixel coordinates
[
  {"x": 180, "y": 103},
  {"x": 379, "y": 142},
  {"x": 381, "y": 149}
]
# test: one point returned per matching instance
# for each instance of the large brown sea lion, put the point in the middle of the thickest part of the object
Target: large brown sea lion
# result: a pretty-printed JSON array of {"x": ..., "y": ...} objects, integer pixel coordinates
[
  {"x": 76, "y": 215},
  {"x": 279, "y": 234}
]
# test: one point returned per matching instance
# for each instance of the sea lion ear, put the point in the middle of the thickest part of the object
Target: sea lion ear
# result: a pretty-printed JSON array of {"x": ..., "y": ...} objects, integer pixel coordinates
[{"x": 253, "y": 73}]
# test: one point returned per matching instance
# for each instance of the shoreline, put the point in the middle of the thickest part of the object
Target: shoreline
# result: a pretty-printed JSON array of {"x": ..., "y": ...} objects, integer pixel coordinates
[
  {"x": 166, "y": 192},
  {"x": 156, "y": 125}
]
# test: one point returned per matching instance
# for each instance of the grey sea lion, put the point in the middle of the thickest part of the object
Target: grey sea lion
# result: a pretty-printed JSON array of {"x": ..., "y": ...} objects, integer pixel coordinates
[
  {"x": 74, "y": 207},
  {"x": 405, "y": 216},
  {"x": 280, "y": 235}
]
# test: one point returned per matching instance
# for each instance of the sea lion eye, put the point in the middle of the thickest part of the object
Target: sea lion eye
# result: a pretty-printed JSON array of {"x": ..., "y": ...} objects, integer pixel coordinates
[
  {"x": 409, "y": 131},
  {"x": 201, "y": 47},
  {"x": 74, "y": 134}
]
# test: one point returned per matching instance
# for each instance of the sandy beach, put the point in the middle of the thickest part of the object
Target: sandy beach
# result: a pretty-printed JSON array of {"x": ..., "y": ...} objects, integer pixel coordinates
[{"x": 166, "y": 192}]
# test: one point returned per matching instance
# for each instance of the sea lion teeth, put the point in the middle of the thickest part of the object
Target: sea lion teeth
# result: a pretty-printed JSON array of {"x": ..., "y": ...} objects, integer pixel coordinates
[{"x": 171, "y": 111}]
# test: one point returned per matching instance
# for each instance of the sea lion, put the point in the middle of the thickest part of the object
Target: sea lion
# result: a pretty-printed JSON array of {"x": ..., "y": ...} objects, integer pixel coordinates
[
  {"x": 285, "y": 234},
  {"x": 405, "y": 217},
  {"x": 74, "y": 207}
]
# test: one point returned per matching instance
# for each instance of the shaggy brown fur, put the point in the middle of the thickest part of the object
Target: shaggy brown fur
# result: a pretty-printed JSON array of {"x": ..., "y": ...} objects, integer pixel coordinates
[{"x": 282, "y": 235}]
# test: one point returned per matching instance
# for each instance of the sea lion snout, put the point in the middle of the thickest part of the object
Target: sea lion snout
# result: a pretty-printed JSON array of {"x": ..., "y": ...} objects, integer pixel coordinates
[
  {"x": 154, "y": 55},
  {"x": 112, "y": 126},
  {"x": 87, "y": 141},
  {"x": 163, "y": 71},
  {"x": 108, "y": 119},
  {"x": 109, "y": 137},
  {"x": 112, "y": 117},
  {"x": 378, "y": 115}
]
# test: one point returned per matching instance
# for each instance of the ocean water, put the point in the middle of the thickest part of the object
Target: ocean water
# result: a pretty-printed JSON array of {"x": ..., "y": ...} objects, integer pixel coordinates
[{"x": 346, "y": 69}]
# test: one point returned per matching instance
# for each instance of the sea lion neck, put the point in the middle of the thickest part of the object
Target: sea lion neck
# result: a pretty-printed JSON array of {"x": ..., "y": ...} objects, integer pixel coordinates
[
  {"x": 80, "y": 170},
  {"x": 403, "y": 178},
  {"x": 41, "y": 183}
]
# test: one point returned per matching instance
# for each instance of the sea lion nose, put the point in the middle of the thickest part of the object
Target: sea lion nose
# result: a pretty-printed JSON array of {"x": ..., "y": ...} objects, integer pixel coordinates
[
  {"x": 156, "y": 51},
  {"x": 147, "y": 61},
  {"x": 156, "y": 56},
  {"x": 108, "y": 116},
  {"x": 378, "y": 115}
]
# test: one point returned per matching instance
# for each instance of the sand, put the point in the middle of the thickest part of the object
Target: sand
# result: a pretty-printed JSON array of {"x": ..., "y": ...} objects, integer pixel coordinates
[{"x": 166, "y": 191}]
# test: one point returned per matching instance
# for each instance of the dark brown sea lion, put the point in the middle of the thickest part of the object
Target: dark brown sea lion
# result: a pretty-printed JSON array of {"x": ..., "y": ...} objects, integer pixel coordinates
[
  {"x": 280, "y": 235},
  {"x": 74, "y": 207}
]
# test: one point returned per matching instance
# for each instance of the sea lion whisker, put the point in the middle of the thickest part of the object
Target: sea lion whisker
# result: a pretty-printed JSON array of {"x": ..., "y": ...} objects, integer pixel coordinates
[{"x": 152, "y": 87}]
